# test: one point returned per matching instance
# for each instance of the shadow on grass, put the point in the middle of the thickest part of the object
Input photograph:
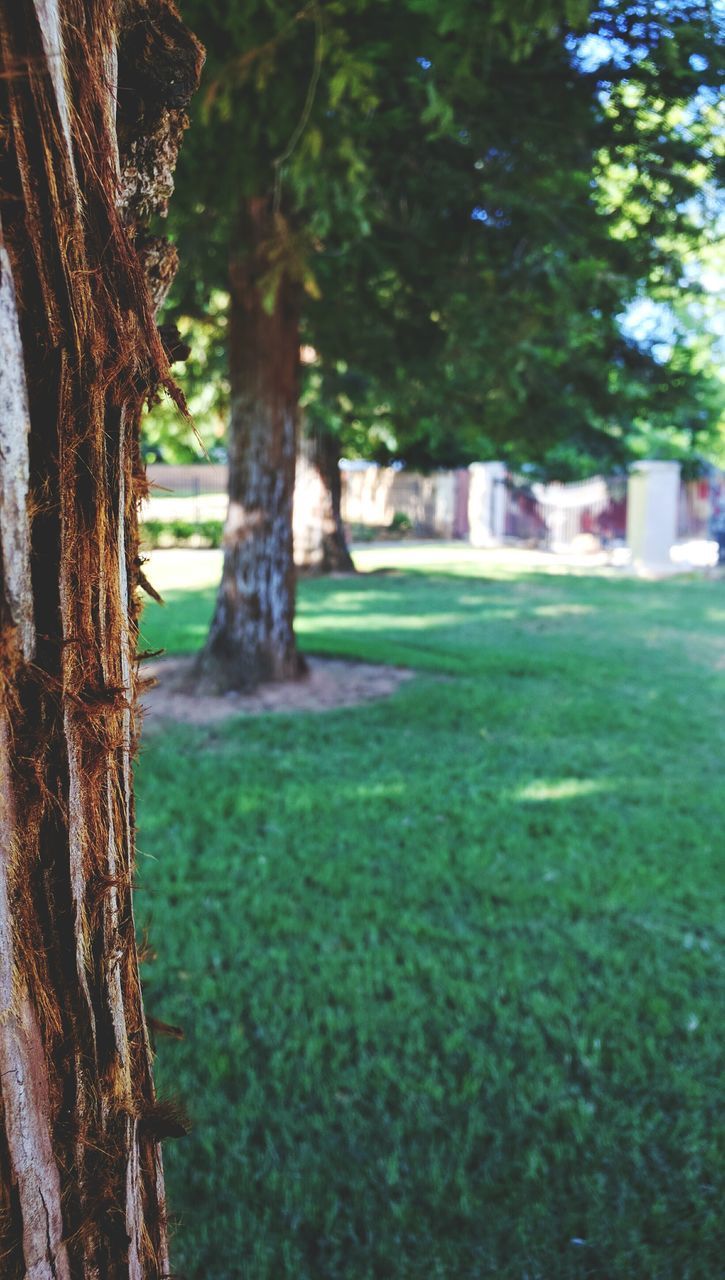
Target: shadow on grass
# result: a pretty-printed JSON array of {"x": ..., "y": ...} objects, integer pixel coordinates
[{"x": 448, "y": 963}]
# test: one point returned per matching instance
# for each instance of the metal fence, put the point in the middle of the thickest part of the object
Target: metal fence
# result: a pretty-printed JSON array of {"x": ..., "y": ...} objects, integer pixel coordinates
[
  {"x": 187, "y": 481},
  {"x": 555, "y": 516},
  {"x": 194, "y": 493},
  {"x": 695, "y": 509},
  {"x": 558, "y": 515}
]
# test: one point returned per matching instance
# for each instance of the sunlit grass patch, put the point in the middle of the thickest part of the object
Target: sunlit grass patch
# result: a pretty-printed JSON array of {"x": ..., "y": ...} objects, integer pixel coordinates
[
  {"x": 562, "y": 789},
  {"x": 450, "y": 964}
]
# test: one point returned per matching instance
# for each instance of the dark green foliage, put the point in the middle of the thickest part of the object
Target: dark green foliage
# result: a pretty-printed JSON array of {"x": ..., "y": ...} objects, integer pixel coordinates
[
  {"x": 401, "y": 522},
  {"x": 180, "y": 533},
  {"x": 500, "y": 334},
  {"x": 468, "y": 203},
  {"x": 448, "y": 964}
]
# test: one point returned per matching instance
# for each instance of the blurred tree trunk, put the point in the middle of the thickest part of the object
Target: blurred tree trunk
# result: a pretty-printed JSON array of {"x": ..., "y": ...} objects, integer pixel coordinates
[
  {"x": 321, "y": 544},
  {"x": 336, "y": 556},
  {"x": 251, "y": 638},
  {"x": 91, "y": 100}
]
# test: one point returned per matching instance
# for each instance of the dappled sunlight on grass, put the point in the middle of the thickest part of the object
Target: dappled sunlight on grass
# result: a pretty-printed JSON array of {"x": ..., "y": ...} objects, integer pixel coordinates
[
  {"x": 564, "y": 789},
  {"x": 379, "y": 790},
  {"x": 462, "y": 560},
  {"x": 381, "y": 621},
  {"x": 413, "y": 606},
  {"x": 563, "y": 610},
  {"x": 448, "y": 963}
]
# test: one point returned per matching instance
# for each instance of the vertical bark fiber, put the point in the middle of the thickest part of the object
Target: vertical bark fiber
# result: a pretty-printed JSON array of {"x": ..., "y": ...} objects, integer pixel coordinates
[
  {"x": 251, "y": 638},
  {"x": 91, "y": 102}
]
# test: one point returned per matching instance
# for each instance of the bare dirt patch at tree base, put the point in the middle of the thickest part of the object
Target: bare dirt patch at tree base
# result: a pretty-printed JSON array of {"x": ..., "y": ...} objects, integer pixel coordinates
[{"x": 328, "y": 683}]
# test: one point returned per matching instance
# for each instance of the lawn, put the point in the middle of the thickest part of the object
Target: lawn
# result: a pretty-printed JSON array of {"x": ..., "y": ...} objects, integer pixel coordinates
[{"x": 449, "y": 965}]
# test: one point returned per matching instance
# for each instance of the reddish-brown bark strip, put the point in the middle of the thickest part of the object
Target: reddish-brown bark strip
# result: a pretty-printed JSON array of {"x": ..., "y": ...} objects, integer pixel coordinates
[{"x": 82, "y": 166}]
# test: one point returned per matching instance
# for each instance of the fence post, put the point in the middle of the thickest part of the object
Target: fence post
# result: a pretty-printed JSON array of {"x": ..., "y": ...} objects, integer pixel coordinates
[
  {"x": 653, "y": 492},
  {"x": 487, "y": 503},
  {"x": 445, "y": 503},
  {"x": 196, "y": 493}
]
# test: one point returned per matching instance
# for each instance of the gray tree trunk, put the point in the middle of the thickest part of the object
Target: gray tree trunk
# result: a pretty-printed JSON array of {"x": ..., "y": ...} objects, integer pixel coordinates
[
  {"x": 251, "y": 638},
  {"x": 320, "y": 539},
  {"x": 91, "y": 99}
]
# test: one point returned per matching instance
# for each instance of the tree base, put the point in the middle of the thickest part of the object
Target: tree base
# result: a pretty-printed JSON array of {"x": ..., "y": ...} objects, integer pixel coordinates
[
  {"x": 336, "y": 557},
  {"x": 214, "y": 673},
  {"x": 331, "y": 683}
]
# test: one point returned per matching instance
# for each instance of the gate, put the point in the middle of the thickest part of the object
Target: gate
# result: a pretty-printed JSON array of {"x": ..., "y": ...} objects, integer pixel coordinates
[{"x": 557, "y": 515}]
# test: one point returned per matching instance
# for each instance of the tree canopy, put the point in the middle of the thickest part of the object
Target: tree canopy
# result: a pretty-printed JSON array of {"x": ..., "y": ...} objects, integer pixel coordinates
[{"x": 469, "y": 198}]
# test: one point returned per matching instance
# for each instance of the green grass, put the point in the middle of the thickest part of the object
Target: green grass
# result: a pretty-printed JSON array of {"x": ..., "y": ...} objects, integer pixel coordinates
[{"x": 449, "y": 965}]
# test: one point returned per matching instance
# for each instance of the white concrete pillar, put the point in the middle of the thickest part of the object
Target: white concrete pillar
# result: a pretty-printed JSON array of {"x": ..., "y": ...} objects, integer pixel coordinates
[
  {"x": 445, "y": 503},
  {"x": 487, "y": 503},
  {"x": 653, "y": 493}
]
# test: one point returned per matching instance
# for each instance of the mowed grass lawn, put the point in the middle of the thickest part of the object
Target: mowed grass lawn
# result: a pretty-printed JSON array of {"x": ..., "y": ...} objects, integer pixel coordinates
[{"x": 450, "y": 965}]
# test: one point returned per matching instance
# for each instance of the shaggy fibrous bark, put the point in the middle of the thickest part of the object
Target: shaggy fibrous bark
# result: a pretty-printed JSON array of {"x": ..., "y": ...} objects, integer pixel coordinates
[
  {"x": 251, "y": 638},
  {"x": 91, "y": 103}
]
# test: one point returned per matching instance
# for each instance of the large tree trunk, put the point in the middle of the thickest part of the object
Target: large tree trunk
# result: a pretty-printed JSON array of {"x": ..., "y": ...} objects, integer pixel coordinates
[
  {"x": 81, "y": 1185},
  {"x": 320, "y": 540},
  {"x": 251, "y": 639}
]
